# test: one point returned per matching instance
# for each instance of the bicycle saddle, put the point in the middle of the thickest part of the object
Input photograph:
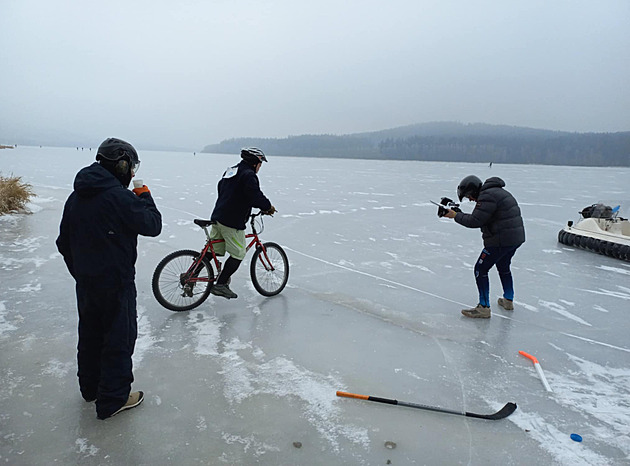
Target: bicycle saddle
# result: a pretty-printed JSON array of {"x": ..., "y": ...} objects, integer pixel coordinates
[{"x": 202, "y": 223}]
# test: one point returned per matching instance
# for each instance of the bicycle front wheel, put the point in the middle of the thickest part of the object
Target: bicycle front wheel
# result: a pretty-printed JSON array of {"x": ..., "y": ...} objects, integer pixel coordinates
[
  {"x": 178, "y": 285},
  {"x": 269, "y": 269}
]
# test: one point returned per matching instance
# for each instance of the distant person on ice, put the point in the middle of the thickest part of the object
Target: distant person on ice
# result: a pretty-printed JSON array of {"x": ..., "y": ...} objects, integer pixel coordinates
[
  {"x": 498, "y": 215},
  {"x": 239, "y": 191},
  {"x": 98, "y": 239}
]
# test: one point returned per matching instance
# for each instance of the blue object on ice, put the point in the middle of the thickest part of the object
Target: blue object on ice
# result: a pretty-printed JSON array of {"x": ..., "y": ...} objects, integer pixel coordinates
[
  {"x": 616, "y": 209},
  {"x": 576, "y": 437}
]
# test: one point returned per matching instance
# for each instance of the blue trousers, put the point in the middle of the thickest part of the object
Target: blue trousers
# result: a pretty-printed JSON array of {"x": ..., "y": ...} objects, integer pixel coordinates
[
  {"x": 502, "y": 257},
  {"x": 107, "y": 337}
]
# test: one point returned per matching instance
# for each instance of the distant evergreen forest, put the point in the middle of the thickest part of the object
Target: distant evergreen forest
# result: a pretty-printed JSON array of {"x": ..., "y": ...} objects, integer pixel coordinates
[{"x": 453, "y": 142}]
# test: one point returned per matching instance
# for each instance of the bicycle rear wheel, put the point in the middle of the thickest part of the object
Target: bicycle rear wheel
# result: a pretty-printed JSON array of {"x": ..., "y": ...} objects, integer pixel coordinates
[
  {"x": 178, "y": 287},
  {"x": 269, "y": 272}
]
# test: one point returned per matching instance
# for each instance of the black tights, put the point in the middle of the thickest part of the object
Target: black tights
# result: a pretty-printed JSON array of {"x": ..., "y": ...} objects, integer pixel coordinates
[{"x": 230, "y": 266}]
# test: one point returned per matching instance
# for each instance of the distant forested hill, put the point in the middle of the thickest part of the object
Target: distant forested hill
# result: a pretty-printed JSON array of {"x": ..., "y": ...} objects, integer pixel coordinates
[{"x": 457, "y": 142}]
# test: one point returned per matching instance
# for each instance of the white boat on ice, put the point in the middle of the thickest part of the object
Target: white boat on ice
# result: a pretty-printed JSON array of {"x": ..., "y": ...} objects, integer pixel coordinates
[{"x": 599, "y": 230}]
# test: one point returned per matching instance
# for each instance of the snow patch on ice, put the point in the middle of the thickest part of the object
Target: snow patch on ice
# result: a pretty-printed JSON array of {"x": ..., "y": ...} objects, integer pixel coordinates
[
  {"x": 201, "y": 423},
  {"x": 283, "y": 378},
  {"x": 416, "y": 266},
  {"x": 28, "y": 288},
  {"x": 57, "y": 368},
  {"x": 597, "y": 307},
  {"x": 603, "y": 393},
  {"x": 146, "y": 338},
  {"x": 10, "y": 263},
  {"x": 4, "y": 325},
  {"x": 613, "y": 269},
  {"x": 529, "y": 307},
  {"x": 624, "y": 294},
  {"x": 84, "y": 448},
  {"x": 9, "y": 382},
  {"x": 207, "y": 333},
  {"x": 556, "y": 442},
  {"x": 562, "y": 311},
  {"x": 250, "y": 442}
]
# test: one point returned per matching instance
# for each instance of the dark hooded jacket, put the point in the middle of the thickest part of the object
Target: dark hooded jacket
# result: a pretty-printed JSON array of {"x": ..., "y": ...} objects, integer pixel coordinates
[
  {"x": 98, "y": 235},
  {"x": 239, "y": 191},
  {"x": 497, "y": 214}
]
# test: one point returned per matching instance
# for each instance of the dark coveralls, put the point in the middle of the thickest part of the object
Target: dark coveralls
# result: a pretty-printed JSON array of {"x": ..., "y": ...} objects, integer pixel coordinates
[
  {"x": 498, "y": 215},
  {"x": 98, "y": 239}
]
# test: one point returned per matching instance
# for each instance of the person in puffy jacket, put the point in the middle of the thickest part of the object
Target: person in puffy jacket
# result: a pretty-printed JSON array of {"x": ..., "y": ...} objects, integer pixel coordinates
[
  {"x": 239, "y": 191},
  {"x": 498, "y": 216},
  {"x": 98, "y": 239}
]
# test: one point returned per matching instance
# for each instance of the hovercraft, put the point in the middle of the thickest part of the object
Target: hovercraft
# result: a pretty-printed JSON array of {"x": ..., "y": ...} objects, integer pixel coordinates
[{"x": 601, "y": 230}]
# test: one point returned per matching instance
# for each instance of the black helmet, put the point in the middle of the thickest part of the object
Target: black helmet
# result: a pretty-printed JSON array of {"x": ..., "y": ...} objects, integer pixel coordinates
[
  {"x": 253, "y": 155},
  {"x": 469, "y": 186},
  {"x": 120, "y": 158}
]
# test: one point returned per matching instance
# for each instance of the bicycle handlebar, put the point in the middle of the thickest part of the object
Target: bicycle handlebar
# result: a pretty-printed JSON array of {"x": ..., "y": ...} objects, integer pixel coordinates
[{"x": 260, "y": 212}]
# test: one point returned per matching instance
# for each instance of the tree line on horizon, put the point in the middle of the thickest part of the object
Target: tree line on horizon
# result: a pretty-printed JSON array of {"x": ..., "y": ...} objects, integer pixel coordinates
[{"x": 452, "y": 142}]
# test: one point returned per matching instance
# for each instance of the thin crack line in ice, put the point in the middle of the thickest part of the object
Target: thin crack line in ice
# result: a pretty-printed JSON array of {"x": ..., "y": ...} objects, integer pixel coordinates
[
  {"x": 376, "y": 277},
  {"x": 181, "y": 211}
]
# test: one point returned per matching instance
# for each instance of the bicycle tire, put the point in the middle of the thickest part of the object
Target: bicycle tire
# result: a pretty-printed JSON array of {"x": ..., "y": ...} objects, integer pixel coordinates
[
  {"x": 270, "y": 282},
  {"x": 168, "y": 288}
]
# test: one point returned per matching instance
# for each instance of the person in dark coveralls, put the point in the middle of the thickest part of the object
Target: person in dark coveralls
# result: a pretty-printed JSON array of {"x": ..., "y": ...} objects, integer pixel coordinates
[
  {"x": 498, "y": 215},
  {"x": 239, "y": 191},
  {"x": 98, "y": 239}
]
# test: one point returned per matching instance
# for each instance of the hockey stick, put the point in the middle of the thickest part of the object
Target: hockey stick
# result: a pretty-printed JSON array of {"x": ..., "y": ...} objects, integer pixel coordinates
[{"x": 503, "y": 412}]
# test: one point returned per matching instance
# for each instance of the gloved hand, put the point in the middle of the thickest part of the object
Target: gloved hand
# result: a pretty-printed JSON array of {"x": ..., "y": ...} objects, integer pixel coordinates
[
  {"x": 143, "y": 189},
  {"x": 271, "y": 211}
]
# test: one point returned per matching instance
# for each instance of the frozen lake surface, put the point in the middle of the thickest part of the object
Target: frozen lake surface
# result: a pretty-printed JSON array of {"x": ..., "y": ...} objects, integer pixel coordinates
[{"x": 372, "y": 306}]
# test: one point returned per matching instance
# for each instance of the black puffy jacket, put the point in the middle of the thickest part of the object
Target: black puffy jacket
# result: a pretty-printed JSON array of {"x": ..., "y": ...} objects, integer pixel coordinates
[
  {"x": 497, "y": 214},
  {"x": 98, "y": 235},
  {"x": 239, "y": 191}
]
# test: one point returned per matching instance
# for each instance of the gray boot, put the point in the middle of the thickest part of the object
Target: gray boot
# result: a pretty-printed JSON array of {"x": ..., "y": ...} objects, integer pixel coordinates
[
  {"x": 223, "y": 291},
  {"x": 506, "y": 304},
  {"x": 478, "y": 312}
]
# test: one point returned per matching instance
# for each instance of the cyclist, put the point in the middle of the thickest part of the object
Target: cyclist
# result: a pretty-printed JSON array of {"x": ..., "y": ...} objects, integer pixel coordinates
[
  {"x": 498, "y": 215},
  {"x": 239, "y": 191},
  {"x": 98, "y": 239}
]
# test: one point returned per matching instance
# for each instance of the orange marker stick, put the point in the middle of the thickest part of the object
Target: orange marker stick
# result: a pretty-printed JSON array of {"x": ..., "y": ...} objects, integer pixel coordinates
[{"x": 538, "y": 369}]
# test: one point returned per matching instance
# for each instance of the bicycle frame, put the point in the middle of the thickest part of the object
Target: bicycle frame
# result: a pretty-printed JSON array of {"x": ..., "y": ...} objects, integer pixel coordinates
[{"x": 189, "y": 276}]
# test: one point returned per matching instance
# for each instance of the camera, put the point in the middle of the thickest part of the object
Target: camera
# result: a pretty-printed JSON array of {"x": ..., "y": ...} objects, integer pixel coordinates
[{"x": 444, "y": 206}]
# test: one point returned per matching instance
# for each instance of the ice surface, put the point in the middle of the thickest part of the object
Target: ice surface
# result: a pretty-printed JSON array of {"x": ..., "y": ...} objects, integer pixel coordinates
[{"x": 372, "y": 306}]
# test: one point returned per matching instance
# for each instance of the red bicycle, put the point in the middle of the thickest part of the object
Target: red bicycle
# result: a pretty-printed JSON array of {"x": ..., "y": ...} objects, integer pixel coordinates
[{"x": 182, "y": 280}]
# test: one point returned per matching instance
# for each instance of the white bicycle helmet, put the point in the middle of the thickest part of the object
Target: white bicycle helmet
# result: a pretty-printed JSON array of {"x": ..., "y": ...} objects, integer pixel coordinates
[{"x": 253, "y": 155}]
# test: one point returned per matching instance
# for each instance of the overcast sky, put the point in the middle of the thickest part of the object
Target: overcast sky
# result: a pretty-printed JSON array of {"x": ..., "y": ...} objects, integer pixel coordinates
[{"x": 190, "y": 73}]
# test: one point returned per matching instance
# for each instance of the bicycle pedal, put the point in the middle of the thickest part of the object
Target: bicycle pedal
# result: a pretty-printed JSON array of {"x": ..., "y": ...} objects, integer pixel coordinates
[{"x": 187, "y": 292}]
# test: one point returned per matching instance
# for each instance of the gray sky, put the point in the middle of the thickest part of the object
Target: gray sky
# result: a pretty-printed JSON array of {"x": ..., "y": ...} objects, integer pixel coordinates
[{"x": 190, "y": 73}]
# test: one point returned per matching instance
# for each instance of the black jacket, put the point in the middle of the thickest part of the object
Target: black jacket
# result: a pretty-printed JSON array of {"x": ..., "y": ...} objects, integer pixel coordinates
[
  {"x": 98, "y": 235},
  {"x": 239, "y": 191},
  {"x": 497, "y": 214}
]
